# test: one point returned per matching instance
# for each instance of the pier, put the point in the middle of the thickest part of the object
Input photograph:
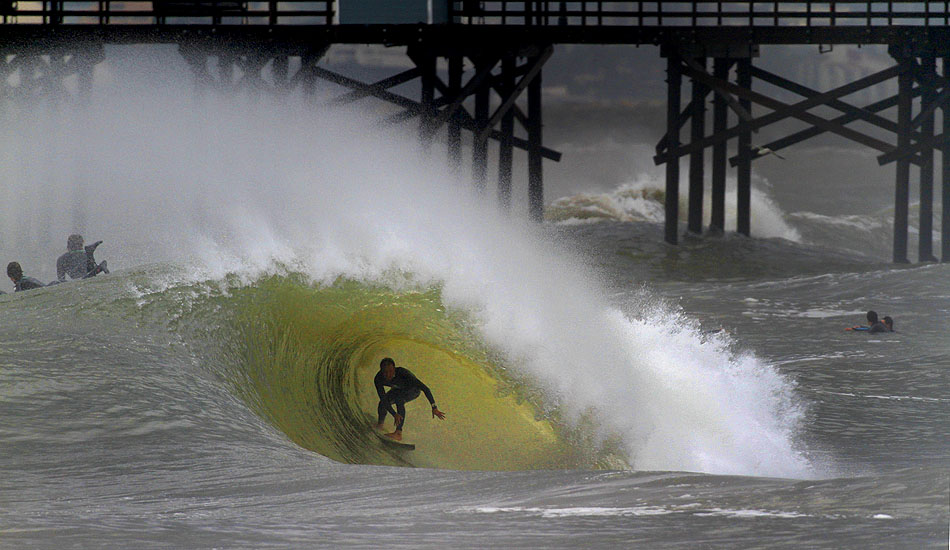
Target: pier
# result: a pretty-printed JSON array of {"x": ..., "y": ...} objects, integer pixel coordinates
[{"x": 479, "y": 66}]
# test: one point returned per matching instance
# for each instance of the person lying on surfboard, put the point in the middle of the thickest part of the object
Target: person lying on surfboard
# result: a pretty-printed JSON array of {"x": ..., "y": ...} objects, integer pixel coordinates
[
  {"x": 404, "y": 387},
  {"x": 874, "y": 325}
]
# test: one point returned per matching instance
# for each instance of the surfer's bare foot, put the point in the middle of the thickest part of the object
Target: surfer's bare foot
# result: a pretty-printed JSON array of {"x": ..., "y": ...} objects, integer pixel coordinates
[
  {"x": 397, "y": 435},
  {"x": 379, "y": 426}
]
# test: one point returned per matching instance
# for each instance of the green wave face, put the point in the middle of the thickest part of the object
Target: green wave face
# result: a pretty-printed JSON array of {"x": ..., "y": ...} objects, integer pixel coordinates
[{"x": 304, "y": 358}]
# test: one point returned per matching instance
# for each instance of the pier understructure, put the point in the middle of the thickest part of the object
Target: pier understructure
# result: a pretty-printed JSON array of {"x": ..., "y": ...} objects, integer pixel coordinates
[{"x": 477, "y": 68}]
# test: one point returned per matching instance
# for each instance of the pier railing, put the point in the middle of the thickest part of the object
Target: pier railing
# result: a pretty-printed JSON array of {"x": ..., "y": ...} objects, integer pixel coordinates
[
  {"x": 702, "y": 14},
  {"x": 499, "y": 12},
  {"x": 73, "y": 12}
]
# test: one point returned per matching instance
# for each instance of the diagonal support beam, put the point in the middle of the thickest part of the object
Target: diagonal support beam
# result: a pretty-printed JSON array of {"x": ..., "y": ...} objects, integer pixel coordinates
[
  {"x": 305, "y": 76},
  {"x": 733, "y": 104},
  {"x": 927, "y": 76},
  {"x": 809, "y": 133},
  {"x": 417, "y": 108},
  {"x": 337, "y": 78},
  {"x": 469, "y": 124},
  {"x": 842, "y": 106},
  {"x": 681, "y": 121},
  {"x": 383, "y": 84},
  {"x": 784, "y": 110},
  {"x": 928, "y": 110},
  {"x": 533, "y": 71},
  {"x": 474, "y": 84},
  {"x": 403, "y": 116}
]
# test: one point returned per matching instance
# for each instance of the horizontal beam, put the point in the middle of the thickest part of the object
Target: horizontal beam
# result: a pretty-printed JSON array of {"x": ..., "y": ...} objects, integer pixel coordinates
[
  {"x": 840, "y": 14},
  {"x": 466, "y": 39}
]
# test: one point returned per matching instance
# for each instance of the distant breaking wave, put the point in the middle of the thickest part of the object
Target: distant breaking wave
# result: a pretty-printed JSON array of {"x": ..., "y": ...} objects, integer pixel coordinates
[{"x": 643, "y": 200}]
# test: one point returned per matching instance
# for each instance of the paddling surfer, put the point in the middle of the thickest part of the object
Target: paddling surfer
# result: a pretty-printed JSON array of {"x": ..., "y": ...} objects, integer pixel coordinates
[
  {"x": 404, "y": 387},
  {"x": 874, "y": 325}
]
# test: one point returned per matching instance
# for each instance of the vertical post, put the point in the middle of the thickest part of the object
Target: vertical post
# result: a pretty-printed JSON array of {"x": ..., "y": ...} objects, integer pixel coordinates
[
  {"x": 480, "y": 145},
  {"x": 744, "y": 168},
  {"x": 945, "y": 193},
  {"x": 535, "y": 179},
  {"x": 717, "y": 223},
  {"x": 427, "y": 97},
  {"x": 454, "y": 128},
  {"x": 925, "y": 236},
  {"x": 697, "y": 158},
  {"x": 506, "y": 145},
  {"x": 674, "y": 79},
  {"x": 901, "y": 187}
]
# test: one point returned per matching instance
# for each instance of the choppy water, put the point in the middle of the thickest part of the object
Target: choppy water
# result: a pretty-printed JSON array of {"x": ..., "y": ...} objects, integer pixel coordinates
[{"x": 214, "y": 390}]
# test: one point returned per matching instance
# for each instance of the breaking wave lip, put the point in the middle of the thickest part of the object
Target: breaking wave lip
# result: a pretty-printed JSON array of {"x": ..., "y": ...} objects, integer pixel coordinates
[{"x": 643, "y": 200}]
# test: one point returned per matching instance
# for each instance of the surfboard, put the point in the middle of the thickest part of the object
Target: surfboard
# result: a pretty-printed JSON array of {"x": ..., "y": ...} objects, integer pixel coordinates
[{"x": 397, "y": 444}]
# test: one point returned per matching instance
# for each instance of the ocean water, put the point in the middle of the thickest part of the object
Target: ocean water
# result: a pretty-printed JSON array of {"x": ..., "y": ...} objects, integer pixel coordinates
[{"x": 602, "y": 389}]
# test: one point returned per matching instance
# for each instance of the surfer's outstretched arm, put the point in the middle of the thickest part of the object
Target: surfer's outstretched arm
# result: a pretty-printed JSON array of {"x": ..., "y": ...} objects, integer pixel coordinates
[{"x": 436, "y": 413}]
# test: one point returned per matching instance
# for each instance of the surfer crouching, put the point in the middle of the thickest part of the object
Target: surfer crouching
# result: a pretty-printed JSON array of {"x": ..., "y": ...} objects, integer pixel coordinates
[{"x": 404, "y": 388}]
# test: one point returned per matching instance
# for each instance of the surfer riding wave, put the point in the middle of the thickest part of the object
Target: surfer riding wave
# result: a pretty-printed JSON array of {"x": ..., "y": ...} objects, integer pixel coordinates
[{"x": 404, "y": 388}]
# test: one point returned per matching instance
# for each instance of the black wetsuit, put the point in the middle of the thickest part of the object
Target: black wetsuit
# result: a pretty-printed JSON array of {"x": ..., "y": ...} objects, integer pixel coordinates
[
  {"x": 875, "y": 328},
  {"x": 78, "y": 264},
  {"x": 27, "y": 283},
  {"x": 74, "y": 263},
  {"x": 405, "y": 387}
]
